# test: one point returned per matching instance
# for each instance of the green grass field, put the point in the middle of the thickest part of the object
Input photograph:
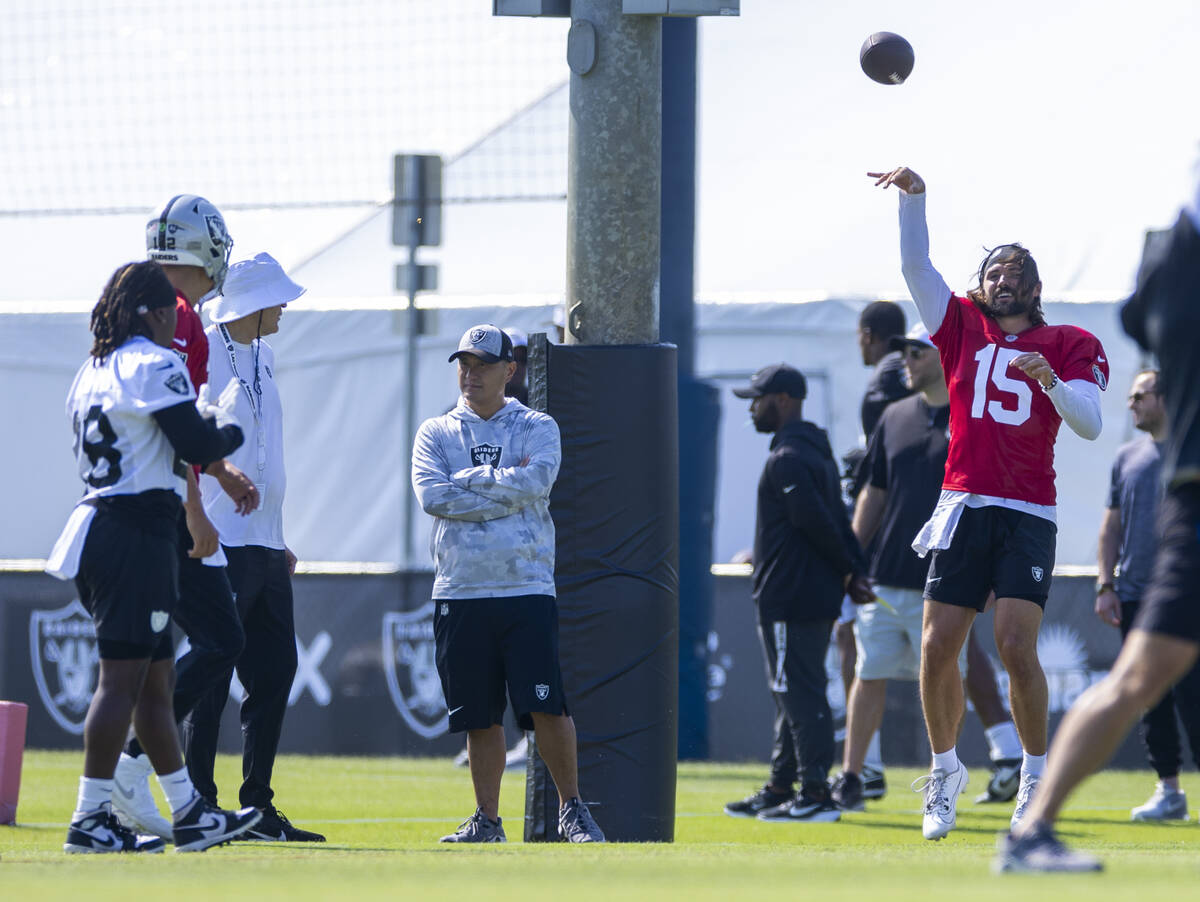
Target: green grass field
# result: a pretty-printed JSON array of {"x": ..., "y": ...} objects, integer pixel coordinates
[{"x": 383, "y": 817}]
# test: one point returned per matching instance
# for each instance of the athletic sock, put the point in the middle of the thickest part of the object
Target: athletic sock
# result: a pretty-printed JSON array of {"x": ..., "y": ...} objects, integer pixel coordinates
[
  {"x": 1003, "y": 741},
  {"x": 874, "y": 758},
  {"x": 178, "y": 788},
  {"x": 93, "y": 792},
  {"x": 1033, "y": 765},
  {"x": 947, "y": 760}
]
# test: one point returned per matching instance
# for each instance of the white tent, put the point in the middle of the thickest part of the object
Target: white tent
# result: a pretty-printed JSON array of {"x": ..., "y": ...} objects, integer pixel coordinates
[{"x": 1066, "y": 126}]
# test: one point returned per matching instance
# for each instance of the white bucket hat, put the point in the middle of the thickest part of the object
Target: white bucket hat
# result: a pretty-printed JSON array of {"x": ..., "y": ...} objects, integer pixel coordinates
[{"x": 251, "y": 286}]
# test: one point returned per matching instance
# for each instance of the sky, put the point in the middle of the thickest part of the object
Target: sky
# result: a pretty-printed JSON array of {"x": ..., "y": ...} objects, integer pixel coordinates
[{"x": 1068, "y": 126}]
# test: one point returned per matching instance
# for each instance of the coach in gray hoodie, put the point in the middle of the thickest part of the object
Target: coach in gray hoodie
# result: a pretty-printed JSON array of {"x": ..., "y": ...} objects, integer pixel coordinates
[{"x": 484, "y": 472}]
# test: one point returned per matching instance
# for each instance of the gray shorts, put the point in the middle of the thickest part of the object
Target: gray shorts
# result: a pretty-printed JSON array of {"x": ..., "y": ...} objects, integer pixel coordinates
[{"x": 889, "y": 642}]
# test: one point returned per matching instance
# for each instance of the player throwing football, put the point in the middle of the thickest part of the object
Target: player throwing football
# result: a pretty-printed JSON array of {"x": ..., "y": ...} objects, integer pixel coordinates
[{"x": 1012, "y": 380}]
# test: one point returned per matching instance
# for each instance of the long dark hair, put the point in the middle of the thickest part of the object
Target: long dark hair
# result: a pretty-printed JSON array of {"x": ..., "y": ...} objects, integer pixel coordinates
[
  {"x": 1011, "y": 253},
  {"x": 132, "y": 290}
]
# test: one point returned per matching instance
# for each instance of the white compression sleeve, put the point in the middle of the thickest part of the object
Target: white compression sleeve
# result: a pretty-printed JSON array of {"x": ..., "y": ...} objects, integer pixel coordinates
[
  {"x": 1078, "y": 403},
  {"x": 929, "y": 290}
]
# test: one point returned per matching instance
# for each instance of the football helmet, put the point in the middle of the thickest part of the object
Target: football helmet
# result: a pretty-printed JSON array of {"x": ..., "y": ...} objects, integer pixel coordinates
[{"x": 190, "y": 231}]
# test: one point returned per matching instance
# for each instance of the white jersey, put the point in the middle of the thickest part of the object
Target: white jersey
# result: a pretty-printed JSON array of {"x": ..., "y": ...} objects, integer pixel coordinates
[
  {"x": 261, "y": 455},
  {"x": 119, "y": 446},
  {"x": 492, "y": 532}
]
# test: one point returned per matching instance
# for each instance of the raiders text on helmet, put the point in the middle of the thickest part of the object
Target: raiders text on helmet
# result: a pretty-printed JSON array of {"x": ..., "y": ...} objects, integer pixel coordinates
[{"x": 190, "y": 231}]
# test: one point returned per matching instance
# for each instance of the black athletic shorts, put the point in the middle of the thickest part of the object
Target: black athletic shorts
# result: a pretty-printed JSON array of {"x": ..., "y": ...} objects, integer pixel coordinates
[
  {"x": 129, "y": 582},
  {"x": 487, "y": 644},
  {"x": 1171, "y": 603},
  {"x": 994, "y": 548}
]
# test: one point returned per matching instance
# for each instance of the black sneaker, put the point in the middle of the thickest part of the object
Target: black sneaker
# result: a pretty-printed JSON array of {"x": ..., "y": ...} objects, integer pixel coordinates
[
  {"x": 762, "y": 800},
  {"x": 1040, "y": 851},
  {"x": 874, "y": 785},
  {"x": 100, "y": 831},
  {"x": 847, "y": 792},
  {"x": 478, "y": 828},
  {"x": 576, "y": 824},
  {"x": 803, "y": 809},
  {"x": 200, "y": 825},
  {"x": 1005, "y": 781},
  {"x": 275, "y": 827}
]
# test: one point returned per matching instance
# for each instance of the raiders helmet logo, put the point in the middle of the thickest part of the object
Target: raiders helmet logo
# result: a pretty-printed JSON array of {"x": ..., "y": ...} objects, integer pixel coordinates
[
  {"x": 486, "y": 455},
  {"x": 410, "y": 667},
  {"x": 542, "y": 691},
  {"x": 478, "y": 335},
  {"x": 1037, "y": 572},
  {"x": 1099, "y": 374},
  {"x": 66, "y": 663}
]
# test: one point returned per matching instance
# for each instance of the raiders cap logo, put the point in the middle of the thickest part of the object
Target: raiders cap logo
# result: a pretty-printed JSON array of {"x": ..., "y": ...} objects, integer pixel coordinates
[{"x": 478, "y": 335}]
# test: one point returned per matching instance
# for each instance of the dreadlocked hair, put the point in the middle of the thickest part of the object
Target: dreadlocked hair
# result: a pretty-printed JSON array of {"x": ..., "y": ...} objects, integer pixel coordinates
[
  {"x": 132, "y": 290},
  {"x": 1010, "y": 253}
]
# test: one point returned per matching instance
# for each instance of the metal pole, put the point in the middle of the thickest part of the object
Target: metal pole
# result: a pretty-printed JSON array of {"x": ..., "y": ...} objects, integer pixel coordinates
[
  {"x": 412, "y": 191},
  {"x": 613, "y": 188}
]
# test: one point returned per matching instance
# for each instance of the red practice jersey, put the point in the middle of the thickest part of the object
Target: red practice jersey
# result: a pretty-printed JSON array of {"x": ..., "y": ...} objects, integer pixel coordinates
[
  {"x": 1002, "y": 425},
  {"x": 190, "y": 342}
]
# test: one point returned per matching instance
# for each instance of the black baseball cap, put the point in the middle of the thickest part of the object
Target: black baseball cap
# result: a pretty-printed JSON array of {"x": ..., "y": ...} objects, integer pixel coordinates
[
  {"x": 778, "y": 378},
  {"x": 489, "y": 343}
]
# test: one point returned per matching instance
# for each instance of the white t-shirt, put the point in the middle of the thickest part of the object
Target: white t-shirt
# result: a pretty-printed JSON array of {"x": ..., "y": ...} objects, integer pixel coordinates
[
  {"x": 119, "y": 446},
  {"x": 261, "y": 455}
]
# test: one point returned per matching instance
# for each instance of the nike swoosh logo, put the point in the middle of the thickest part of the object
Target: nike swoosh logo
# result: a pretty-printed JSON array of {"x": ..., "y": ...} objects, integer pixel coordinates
[
  {"x": 454, "y": 710},
  {"x": 209, "y": 822},
  {"x": 128, "y": 793},
  {"x": 165, "y": 366},
  {"x": 788, "y": 488},
  {"x": 182, "y": 342},
  {"x": 1101, "y": 359},
  {"x": 110, "y": 843}
]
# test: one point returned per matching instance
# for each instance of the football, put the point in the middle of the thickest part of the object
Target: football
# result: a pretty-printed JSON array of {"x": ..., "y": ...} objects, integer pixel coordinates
[{"x": 886, "y": 58}]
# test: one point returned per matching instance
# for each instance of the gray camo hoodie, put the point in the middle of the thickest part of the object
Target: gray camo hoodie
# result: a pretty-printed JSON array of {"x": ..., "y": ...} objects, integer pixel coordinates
[{"x": 492, "y": 532}]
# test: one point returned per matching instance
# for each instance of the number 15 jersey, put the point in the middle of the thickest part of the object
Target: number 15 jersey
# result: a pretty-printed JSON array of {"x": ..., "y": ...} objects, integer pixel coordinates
[
  {"x": 1002, "y": 425},
  {"x": 119, "y": 446}
]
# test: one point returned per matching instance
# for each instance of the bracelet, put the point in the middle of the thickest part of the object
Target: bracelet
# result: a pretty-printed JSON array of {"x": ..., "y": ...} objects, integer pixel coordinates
[
  {"x": 1105, "y": 587},
  {"x": 1053, "y": 381}
]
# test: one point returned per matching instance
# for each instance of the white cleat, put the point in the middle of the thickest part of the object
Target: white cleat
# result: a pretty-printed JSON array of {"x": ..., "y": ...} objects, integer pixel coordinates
[
  {"x": 1165, "y": 805},
  {"x": 1028, "y": 787},
  {"x": 132, "y": 801},
  {"x": 941, "y": 790}
]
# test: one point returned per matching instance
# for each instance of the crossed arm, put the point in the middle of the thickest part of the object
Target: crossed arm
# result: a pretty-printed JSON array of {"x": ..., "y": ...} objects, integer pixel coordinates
[{"x": 486, "y": 492}]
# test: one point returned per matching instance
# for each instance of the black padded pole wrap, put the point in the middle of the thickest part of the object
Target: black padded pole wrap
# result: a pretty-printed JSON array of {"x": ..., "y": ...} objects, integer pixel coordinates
[{"x": 615, "y": 507}]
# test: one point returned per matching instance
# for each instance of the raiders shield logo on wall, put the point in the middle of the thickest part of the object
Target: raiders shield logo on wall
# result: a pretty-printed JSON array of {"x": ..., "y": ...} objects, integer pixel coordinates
[
  {"x": 410, "y": 664},
  {"x": 486, "y": 455},
  {"x": 66, "y": 662}
]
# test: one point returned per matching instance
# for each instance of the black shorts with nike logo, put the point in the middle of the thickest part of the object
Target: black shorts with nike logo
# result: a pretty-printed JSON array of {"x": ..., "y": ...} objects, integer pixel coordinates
[
  {"x": 488, "y": 645},
  {"x": 994, "y": 549}
]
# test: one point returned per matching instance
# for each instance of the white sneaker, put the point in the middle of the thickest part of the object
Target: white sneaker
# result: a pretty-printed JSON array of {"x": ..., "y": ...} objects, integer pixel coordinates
[
  {"x": 1029, "y": 785},
  {"x": 941, "y": 800},
  {"x": 132, "y": 801},
  {"x": 1165, "y": 805}
]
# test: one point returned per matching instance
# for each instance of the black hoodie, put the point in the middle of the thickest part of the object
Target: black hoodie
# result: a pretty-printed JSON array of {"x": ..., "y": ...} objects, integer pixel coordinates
[{"x": 803, "y": 546}]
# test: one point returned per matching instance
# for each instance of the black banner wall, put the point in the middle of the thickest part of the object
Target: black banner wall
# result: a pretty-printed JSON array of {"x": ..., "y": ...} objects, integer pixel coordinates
[{"x": 366, "y": 682}]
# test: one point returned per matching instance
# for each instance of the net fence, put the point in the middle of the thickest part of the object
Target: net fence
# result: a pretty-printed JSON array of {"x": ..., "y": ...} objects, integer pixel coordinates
[{"x": 108, "y": 108}]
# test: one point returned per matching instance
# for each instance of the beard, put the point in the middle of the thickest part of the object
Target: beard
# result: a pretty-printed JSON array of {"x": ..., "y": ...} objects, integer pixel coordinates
[
  {"x": 1013, "y": 305},
  {"x": 766, "y": 420}
]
